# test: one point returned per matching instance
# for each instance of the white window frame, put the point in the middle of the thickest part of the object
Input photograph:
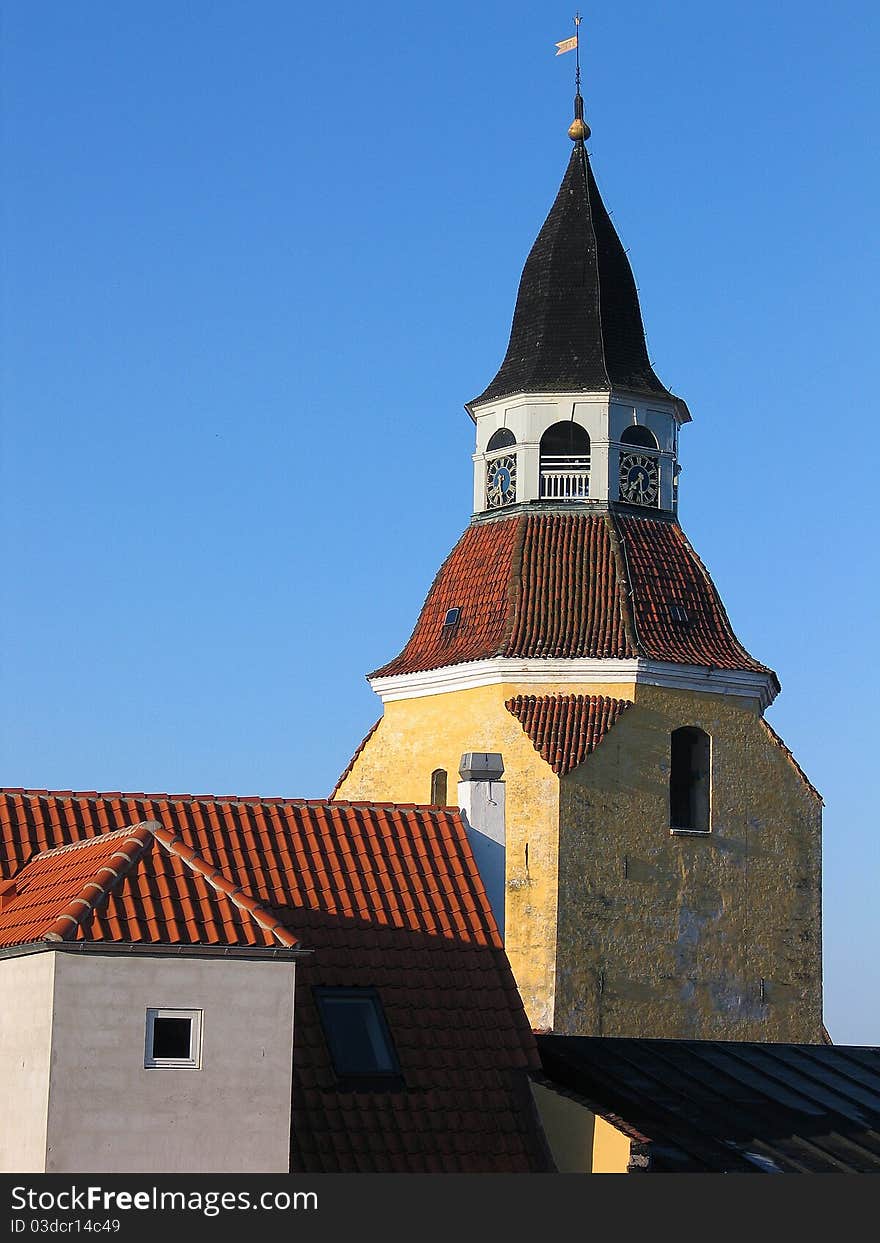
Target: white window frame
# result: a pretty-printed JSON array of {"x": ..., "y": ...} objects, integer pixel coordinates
[{"x": 194, "y": 1061}]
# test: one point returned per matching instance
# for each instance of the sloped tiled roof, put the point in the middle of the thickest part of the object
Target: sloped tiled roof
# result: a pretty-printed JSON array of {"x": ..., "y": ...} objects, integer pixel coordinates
[
  {"x": 728, "y": 1107},
  {"x": 386, "y": 896},
  {"x": 664, "y": 570},
  {"x": 358, "y": 749},
  {"x": 577, "y": 323},
  {"x": 565, "y": 729},
  {"x": 115, "y": 887},
  {"x": 574, "y": 585},
  {"x": 774, "y": 737}
]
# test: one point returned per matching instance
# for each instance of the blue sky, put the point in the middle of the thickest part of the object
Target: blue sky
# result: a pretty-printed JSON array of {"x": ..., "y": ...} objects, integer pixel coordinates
[{"x": 257, "y": 256}]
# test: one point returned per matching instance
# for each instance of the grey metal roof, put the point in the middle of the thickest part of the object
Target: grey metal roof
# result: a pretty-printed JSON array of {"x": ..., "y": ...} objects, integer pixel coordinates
[
  {"x": 727, "y": 1106},
  {"x": 577, "y": 323}
]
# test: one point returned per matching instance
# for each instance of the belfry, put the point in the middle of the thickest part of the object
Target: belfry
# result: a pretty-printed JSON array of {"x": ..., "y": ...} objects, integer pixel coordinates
[{"x": 651, "y": 848}]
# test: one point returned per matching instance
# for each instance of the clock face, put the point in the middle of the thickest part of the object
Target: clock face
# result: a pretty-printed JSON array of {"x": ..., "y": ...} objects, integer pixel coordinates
[
  {"x": 639, "y": 479},
  {"x": 501, "y": 481}
]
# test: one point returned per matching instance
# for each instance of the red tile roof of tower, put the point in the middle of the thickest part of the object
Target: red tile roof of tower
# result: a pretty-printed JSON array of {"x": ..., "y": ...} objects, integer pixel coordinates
[{"x": 570, "y": 586}]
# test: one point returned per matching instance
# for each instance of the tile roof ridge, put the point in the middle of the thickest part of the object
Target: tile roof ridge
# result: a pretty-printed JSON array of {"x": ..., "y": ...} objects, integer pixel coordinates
[
  {"x": 237, "y": 894},
  {"x": 429, "y": 807},
  {"x": 514, "y": 587},
  {"x": 625, "y": 590},
  {"x": 253, "y": 799},
  {"x": 99, "y": 839},
  {"x": 346, "y": 772},
  {"x": 135, "y": 842}
]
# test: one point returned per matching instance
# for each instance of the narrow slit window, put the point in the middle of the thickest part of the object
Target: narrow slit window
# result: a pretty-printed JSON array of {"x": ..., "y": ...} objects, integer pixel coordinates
[
  {"x": 438, "y": 787},
  {"x": 690, "y": 780}
]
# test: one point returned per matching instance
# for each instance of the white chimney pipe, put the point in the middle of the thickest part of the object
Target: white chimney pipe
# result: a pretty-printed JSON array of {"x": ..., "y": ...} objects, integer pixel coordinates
[{"x": 481, "y": 799}]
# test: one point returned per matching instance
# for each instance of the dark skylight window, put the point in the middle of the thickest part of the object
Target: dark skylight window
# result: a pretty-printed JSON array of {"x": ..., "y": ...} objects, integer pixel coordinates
[{"x": 357, "y": 1034}]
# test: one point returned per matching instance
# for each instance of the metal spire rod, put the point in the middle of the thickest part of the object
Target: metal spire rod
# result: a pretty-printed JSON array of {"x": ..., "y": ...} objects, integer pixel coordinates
[{"x": 577, "y": 54}]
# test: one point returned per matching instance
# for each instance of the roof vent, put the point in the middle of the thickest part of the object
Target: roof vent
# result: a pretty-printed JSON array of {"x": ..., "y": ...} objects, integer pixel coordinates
[
  {"x": 452, "y": 618},
  {"x": 481, "y": 766},
  {"x": 678, "y": 613}
]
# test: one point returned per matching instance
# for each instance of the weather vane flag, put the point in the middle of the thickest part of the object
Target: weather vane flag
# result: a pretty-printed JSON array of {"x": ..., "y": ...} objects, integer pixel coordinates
[{"x": 570, "y": 45}]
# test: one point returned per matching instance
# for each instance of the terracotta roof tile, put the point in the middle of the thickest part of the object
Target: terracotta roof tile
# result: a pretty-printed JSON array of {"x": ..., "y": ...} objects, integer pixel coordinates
[
  {"x": 565, "y": 729},
  {"x": 570, "y": 586},
  {"x": 665, "y": 571},
  {"x": 476, "y": 578},
  {"x": 117, "y": 887},
  {"x": 568, "y": 602},
  {"x": 387, "y": 896}
]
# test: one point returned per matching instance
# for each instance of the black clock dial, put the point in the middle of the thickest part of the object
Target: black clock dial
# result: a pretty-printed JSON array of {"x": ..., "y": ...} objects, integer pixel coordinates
[
  {"x": 501, "y": 481},
  {"x": 639, "y": 479}
]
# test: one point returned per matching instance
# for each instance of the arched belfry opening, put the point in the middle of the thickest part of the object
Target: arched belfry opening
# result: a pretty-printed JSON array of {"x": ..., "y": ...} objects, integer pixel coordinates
[
  {"x": 636, "y": 434},
  {"x": 565, "y": 462}
]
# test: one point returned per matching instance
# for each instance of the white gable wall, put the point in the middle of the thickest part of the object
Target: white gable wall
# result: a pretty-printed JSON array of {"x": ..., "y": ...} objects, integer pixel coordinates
[{"x": 25, "y": 1044}]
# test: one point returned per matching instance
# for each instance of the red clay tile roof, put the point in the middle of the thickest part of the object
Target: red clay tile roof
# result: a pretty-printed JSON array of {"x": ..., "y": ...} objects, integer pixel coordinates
[
  {"x": 115, "y": 887},
  {"x": 663, "y": 570},
  {"x": 568, "y": 600},
  {"x": 572, "y": 585},
  {"x": 386, "y": 896},
  {"x": 475, "y": 578},
  {"x": 565, "y": 729},
  {"x": 351, "y": 763}
]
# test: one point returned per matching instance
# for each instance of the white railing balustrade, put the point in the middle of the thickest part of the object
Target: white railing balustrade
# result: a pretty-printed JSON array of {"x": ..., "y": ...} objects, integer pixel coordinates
[{"x": 565, "y": 478}]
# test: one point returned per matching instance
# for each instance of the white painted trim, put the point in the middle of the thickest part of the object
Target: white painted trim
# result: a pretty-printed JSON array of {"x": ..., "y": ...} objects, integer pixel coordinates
[{"x": 538, "y": 672}]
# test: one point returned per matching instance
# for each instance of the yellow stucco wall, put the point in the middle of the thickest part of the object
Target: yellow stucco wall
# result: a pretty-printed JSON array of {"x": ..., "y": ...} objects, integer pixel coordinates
[
  {"x": 580, "y": 1141},
  {"x": 611, "y": 1149},
  {"x": 416, "y": 736},
  {"x": 672, "y": 935},
  {"x": 613, "y": 926}
]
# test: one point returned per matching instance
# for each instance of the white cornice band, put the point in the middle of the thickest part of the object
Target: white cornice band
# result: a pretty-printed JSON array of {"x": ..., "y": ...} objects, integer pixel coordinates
[{"x": 538, "y": 672}]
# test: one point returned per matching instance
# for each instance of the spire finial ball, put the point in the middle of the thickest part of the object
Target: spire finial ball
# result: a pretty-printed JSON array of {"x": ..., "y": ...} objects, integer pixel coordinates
[{"x": 578, "y": 131}]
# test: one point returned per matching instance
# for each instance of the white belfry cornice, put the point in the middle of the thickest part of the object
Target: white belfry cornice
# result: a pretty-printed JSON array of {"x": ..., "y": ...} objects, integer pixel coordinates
[{"x": 745, "y": 684}]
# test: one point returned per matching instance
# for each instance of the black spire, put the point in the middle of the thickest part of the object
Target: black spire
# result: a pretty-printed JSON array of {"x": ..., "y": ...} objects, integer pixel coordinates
[{"x": 577, "y": 323}]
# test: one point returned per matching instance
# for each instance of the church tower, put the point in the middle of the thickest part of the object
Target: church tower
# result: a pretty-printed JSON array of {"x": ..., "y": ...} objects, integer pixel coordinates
[{"x": 658, "y": 848}]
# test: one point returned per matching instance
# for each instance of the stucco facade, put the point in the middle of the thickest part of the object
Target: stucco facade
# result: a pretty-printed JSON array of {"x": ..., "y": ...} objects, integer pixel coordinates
[
  {"x": 615, "y": 925},
  {"x": 92, "y": 1106},
  {"x": 25, "y": 1054}
]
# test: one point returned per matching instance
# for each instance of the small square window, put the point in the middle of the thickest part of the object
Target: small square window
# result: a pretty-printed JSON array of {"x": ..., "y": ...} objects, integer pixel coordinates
[
  {"x": 173, "y": 1039},
  {"x": 357, "y": 1036}
]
